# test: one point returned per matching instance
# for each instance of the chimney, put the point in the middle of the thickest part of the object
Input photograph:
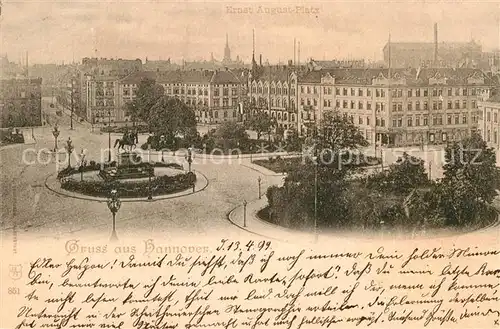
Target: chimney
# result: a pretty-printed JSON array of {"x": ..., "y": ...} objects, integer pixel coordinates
[
  {"x": 260, "y": 60},
  {"x": 289, "y": 62},
  {"x": 435, "y": 43}
]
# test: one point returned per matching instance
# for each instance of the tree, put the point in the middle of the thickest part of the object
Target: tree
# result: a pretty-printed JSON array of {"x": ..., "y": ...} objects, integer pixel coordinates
[
  {"x": 231, "y": 134},
  {"x": 469, "y": 182},
  {"x": 337, "y": 132},
  {"x": 261, "y": 122},
  {"x": 170, "y": 116},
  {"x": 473, "y": 161},
  {"x": 148, "y": 93},
  {"x": 402, "y": 177}
]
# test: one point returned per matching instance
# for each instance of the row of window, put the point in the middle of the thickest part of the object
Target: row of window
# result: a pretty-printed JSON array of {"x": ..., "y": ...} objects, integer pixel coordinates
[
  {"x": 435, "y": 105},
  {"x": 398, "y": 93},
  {"x": 495, "y": 136},
  {"x": 495, "y": 117},
  {"x": 274, "y": 91},
  {"x": 437, "y": 120},
  {"x": 283, "y": 116},
  {"x": 215, "y": 114}
]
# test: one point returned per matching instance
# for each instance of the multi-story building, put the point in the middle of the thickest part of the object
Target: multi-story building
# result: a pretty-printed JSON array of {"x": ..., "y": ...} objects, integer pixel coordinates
[
  {"x": 489, "y": 123},
  {"x": 21, "y": 102},
  {"x": 214, "y": 95},
  {"x": 101, "y": 94},
  {"x": 411, "y": 107},
  {"x": 274, "y": 89}
]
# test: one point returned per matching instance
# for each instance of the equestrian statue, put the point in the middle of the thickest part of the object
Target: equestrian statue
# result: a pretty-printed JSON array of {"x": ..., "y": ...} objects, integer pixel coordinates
[{"x": 129, "y": 139}]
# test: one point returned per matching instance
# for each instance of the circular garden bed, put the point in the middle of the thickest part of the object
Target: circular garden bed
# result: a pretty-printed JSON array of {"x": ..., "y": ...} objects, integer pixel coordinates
[{"x": 133, "y": 188}]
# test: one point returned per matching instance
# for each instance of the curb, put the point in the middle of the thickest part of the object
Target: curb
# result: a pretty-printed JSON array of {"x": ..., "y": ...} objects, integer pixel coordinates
[{"x": 130, "y": 200}]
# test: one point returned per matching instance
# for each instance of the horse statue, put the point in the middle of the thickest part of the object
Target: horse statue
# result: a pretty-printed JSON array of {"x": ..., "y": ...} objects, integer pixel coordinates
[{"x": 129, "y": 139}]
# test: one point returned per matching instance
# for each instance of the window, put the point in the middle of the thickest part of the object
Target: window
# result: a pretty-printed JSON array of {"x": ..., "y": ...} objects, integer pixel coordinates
[
  {"x": 382, "y": 123},
  {"x": 378, "y": 107},
  {"x": 315, "y": 101},
  {"x": 368, "y": 92},
  {"x": 495, "y": 117},
  {"x": 449, "y": 119},
  {"x": 400, "y": 93},
  {"x": 394, "y": 107},
  {"x": 216, "y": 114},
  {"x": 400, "y": 107},
  {"x": 426, "y": 92},
  {"x": 434, "y": 106},
  {"x": 234, "y": 92},
  {"x": 457, "y": 92},
  {"x": 308, "y": 89},
  {"x": 450, "y": 105},
  {"x": 473, "y": 92},
  {"x": 400, "y": 122},
  {"x": 417, "y": 121},
  {"x": 410, "y": 122},
  {"x": 450, "y": 92},
  {"x": 417, "y": 105},
  {"x": 344, "y": 104},
  {"x": 440, "y": 105},
  {"x": 360, "y": 105},
  {"x": 394, "y": 122},
  {"x": 344, "y": 91},
  {"x": 457, "y": 119},
  {"x": 352, "y": 105},
  {"x": 464, "y": 118},
  {"x": 382, "y": 93},
  {"x": 434, "y": 92},
  {"x": 410, "y": 92},
  {"x": 337, "y": 91},
  {"x": 457, "y": 104},
  {"x": 225, "y": 114},
  {"x": 417, "y": 93},
  {"x": 464, "y": 92},
  {"x": 473, "y": 104},
  {"x": 377, "y": 92},
  {"x": 426, "y": 120},
  {"x": 464, "y": 104},
  {"x": 377, "y": 122},
  {"x": 410, "y": 106},
  {"x": 360, "y": 92},
  {"x": 426, "y": 106},
  {"x": 325, "y": 103},
  {"x": 367, "y": 121},
  {"x": 382, "y": 107},
  {"x": 353, "y": 92},
  {"x": 440, "y": 92},
  {"x": 315, "y": 90},
  {"x": 488, "y": 116},
  {"x": 368, "y": 105},
  {"x": 360, "y": 120},
  {"x": 495, "y": 136},
  {"x": 440, "y": 120},
  {"x": 434, "y": 121},
  {"x": 337, "y": 103}
]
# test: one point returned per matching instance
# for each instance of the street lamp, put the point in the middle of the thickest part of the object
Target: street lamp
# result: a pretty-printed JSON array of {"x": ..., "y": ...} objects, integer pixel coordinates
[
  {"x": 259, "y": 180},
  {"x": 69, "y": 148},
  {"x": 245, "y": 213},
  {"x": 150, "y": 172},
  {"x": 114, "y": 204},
  {"x": 109, "y": 135},
  {"x": 189, "y": 157},
  {"x": 55, "y": 133},
  {"x": 82, "y": 165},
  {"x": 72, "y": 101}
]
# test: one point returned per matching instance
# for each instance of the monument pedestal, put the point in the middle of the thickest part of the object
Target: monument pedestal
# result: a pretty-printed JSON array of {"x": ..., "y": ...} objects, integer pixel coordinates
[{"x": 129, "y": 165}]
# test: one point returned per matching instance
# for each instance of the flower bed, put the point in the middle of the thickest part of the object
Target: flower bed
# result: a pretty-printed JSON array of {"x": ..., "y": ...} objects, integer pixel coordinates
[{"x": 127, "y": 189}]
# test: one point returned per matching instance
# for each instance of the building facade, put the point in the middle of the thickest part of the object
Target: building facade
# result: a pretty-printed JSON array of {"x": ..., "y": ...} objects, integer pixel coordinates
[
  {"x": 21, "y": 102},
  {"x": 489, "y": 123},
  {"x": 215, "y": 96},
  {"x": 274, "y": 90},
  {"x": 412, "y": 107}
]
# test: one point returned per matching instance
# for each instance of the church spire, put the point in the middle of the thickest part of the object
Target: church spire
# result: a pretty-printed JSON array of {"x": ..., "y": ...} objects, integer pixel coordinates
[{"x": 227, "y": 51}]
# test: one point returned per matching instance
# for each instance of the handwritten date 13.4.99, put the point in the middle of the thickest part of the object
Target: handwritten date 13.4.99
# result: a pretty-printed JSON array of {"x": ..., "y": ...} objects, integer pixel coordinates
[{"x": 227, "y": 245}]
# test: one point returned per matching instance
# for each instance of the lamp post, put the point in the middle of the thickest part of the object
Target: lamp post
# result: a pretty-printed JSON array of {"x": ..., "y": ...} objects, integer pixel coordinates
[
  {"x": 82, "y": 165},
  {"x": 430, "y": 170},
  {"x": 251, "y": 153},
  {"x": 189, "y": 157},
  {"x": 109, "y": 135},
  {"x": 69, "y": 148},
  {"x": 150, "y": 172},
  {"x": 114, "y": 204},
  {"x": 382, "y": 159},
  {"x": 55, "y": 133},
  {"x": 72, "y": 101},
  {"x": 259, "y": 180},
  {"x": 244, "y": 213}
]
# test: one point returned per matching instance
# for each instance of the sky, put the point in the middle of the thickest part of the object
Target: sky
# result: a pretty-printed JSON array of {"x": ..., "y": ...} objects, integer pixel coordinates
[{"x": 57, "y": 31}]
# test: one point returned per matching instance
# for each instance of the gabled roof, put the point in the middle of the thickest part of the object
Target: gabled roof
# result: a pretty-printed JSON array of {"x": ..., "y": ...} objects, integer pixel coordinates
[
  {"x": 224, "y": 77},
  {"x": 412, "y": 76}
]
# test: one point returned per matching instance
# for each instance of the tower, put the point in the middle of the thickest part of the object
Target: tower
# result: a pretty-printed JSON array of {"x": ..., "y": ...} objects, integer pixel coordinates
[{"x": 227, "y": 51}]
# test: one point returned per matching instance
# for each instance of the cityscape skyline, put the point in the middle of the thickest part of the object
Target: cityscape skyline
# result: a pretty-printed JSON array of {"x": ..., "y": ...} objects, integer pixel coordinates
[{"x": 132, "y": 30}]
